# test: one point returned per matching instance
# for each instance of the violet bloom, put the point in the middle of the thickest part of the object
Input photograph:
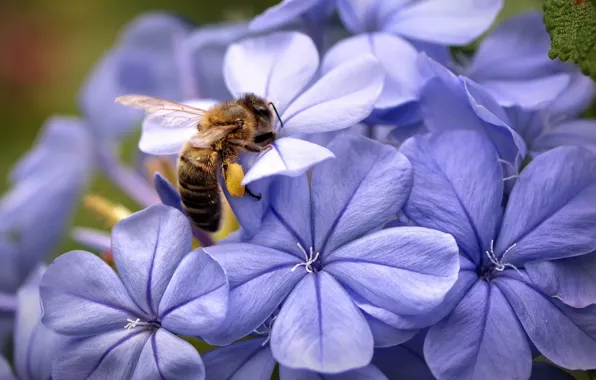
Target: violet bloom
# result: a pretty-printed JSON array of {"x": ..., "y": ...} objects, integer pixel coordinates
[
  {"x": 282, "y": 68},
  {"x": 320, "y": 246},
  {"x": 497, "y": 311},
  {"x": 123, "y": 326}
]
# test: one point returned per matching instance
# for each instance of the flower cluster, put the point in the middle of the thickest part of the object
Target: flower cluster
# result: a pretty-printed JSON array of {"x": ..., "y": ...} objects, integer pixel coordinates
[{"x": 422, "y": 213}]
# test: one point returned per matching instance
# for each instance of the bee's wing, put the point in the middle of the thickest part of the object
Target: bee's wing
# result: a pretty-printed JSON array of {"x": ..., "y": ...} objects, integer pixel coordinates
[
  {"x": 207, "y": 137},
  {"x": 164, "y": 112}
]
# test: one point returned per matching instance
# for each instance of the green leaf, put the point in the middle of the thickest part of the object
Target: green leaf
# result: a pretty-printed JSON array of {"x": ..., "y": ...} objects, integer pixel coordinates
[{"x": 572, "y": 28}]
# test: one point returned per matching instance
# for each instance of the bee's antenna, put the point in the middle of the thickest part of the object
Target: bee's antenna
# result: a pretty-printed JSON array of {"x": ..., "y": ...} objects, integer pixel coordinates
[{"x": 277, "y": 113}]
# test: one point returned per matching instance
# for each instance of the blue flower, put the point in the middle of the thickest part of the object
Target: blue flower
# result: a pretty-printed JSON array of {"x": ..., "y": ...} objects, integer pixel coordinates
[
  {"x": 512, "y": 63},
  {"x": 281, "y": 67},
  {"x": 320, "y": 246},
  {"x": 123, "y": 327},
  {"x": 549, "y": 216}
]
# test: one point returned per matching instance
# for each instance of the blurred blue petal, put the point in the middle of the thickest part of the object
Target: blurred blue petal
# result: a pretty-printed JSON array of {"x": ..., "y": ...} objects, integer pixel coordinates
[
  {"x": 166, "y": 356},
  {"x": 276, "y": 66},
  {"x": 470, "y": 342},
  {"x": 369, "y": 372},
  {"x": 550, "y": 213},
  {"x": 402, "y": 81},
  {"x": 405, "y": 257},
  {"x": 5, "y": 370},
  {"x": 196, "y": 298},
  {"x": 288, "y": 156},
  {"x": 247, "y": 359},
  {"x": 564, "y": 335},
  {"x": 82, "y": 295},
  {"x": 529, "y": 93},
  {"x": 360, "y": 201},
  {"x": 368, "y": 16},
  {"x": 343, "y": 97},
  {"x": 287, "y": 12},
  {"x": 580, "y": 132},
  {"x": 444, "y": 22},
  {"x": 572, "y": 280},
  {"x": 575, "y": 99},
  {"x": 260, "y": 279},
  {"x": 401, "y": 362},
  {"x": 94, "y": 239},
  {"x": 309, "y": 332},
  {"x": 457, "y": 189},
  {"x": 162, "y": 237}
]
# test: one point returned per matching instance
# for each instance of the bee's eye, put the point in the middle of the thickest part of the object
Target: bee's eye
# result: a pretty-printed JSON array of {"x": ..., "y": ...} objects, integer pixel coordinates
[{"x": 262, "y": 112}]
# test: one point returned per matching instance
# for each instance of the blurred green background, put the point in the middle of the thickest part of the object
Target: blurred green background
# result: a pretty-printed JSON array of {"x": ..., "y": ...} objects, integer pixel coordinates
[{"x": 48, "y": 47}]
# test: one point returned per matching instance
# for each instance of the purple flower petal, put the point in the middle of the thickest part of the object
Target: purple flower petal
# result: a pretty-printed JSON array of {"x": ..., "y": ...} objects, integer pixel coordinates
[
  {"x": 94, "y": 239},
  {"x": 470, "y": 344},
  {"x": 457, "y": 188},
  {"x": 260, "y": 278},
  {"x": 401, "y": 362},
  {"x": 288, "y": 156},
  {"x": 546, "y": 371},
  {"x": 402, "y": 81},
  {"x": 113, "y": 355},
  {"x": 550, "y": 213},
  {"x": 530, "y": 93},
  {"x": 82, "y": 295},
  {"x": 396, "y": 269},
  {"x": 385, "y": 335},
  {"x": 166, "y": 356},
  {"x": 168, "y": 194},
  {"x": 575, "y": 98},
  {"x": 147, "y": 247},
  {"x": 577, "y": 132},
  {"x": 247, "y": 359},
  {"x": 281, "y": 14},
  {"x": 448, "y": 23},
  {"x": 343, "y": 97},
  {"x": 572, "y": 280},
  {"x": 5, "y": 370},
  {"x": 564, "y": 335},
  {"x": 161, "y": 140},
  {"x": 365, "y": 197},
  {"x": 368, "y": 16},
  {"x": 196, "y": 299},
  {"x": 516, "y": 50},
  {"x": 310, "y": 330},
  {"x": 276, "y": 66},
  {"x": 370, "y": 372},
  {"x": 248, "y": 210}
]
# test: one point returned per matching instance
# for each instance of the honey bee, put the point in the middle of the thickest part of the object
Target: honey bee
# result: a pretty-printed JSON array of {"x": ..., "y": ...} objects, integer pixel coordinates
[{"x": 223, "y": 131}]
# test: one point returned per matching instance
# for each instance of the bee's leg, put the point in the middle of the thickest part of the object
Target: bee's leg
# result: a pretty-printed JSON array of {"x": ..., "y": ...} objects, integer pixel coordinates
[
  {"x": 257, "y": 197},
  {"x": 250, "y": 146}
]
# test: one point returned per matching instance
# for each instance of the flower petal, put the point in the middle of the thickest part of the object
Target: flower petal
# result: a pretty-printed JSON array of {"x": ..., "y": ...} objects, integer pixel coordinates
[
  {"x": 161, "y": 140},
  {"x": 546, "y": 371},
  {"x": 94, "y": 239},
  {"x": 368, "y": 16},
  {"x": 564, "y": 335},
  {"x": 34, "y": 344},
  {"x": 310, "y": 330},
  {"x": 289, "y": 156},
  {"x": 112, "y": 355},
  {"x": 575, "y": 98},
  {"x": 571, "y": 280},
  {"x": 530, "y": 93},
  {"x": 167, "y": 192},
  {"x": 165, "y": 356},
  {"x": 470, "y": 344},
  {"x": 550, "y": 213},
  {"x": 457, "y": 188},
  {"x": 385, "y": 335},
  {"x": 517, "y": 50},
  {"x": 580, "y": 132},
  {"x": 147, "y": 247},
  {"x": 401, "y": 362},
  {"x": 82, "y": 295},
  {"x": 281, "y": 14},
  {"x": 5, "y": 370},
  {"x": 196, "y": 299},
  {"x": 247, "y": 359},
  {"x": 370, "y": 183},
  {"x": 445, "y": 22},
  {"x": 276, "y": 66},
  {"x": 343, "y": 97},
  {"x": 370, "y": 372},
  {"x": 396, "y": 268},
  {"x": 260, "y": 278},
  {"x": 402, "y": 82}
]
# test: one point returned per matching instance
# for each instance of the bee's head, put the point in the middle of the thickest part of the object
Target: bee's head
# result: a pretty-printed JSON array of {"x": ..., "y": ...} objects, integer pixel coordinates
[{"x": 259, "y": 107}]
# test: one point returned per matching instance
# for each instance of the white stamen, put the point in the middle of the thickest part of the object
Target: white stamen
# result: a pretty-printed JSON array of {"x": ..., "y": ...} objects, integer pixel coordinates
[
  {"x": 499, "y": 264},
  {"x": 267, "y": 327},
  {"x": 310, "y": 259},
  {"x": 134, "y": 323}
]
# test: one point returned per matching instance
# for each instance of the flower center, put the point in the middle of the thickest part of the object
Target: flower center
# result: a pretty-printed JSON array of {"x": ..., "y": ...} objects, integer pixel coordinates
[
  {"x": 132, "y": 323},
  {"x": 495, "y": 265},
  {"x": 311, "y": 263}
]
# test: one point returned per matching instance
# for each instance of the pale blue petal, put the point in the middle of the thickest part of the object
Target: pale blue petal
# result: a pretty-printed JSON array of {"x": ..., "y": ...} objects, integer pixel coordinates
[
  {"x": 247, "y": 359},
  {"x": 401, "y": 362},
  {"x": 288, "y": 156},
  {"x": 286, "y": 12},
  {"x": 340, "y": 99},
  {"x": 529, "y": 93},
  {"x": 364, "y": 198},
  {"x": 93, "y": 239},
  {"x": 81, "y": 295},
  {"x": 5, "y": 370},
  {"x": 310, "y": 330},
  {"x": 368, "y": 16},
  {"x": 168, "y": 194},
  {"x": 550, "y": 213},
  {"x": 370, "y": 372},
  {"x": 275, "y": 66},
  {"x": 167, "y": 357},
  {"x": 385, "y": 335},
  {"x": 575, "y": 98},
  {"x": 147, "y": 247},
  {"x": 196, "y": 299},
  {"x": 580, "y": 132}
]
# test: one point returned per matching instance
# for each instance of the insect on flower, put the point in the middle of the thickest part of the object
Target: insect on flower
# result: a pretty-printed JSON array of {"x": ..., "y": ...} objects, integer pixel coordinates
[{"x": 223, "y": 132}]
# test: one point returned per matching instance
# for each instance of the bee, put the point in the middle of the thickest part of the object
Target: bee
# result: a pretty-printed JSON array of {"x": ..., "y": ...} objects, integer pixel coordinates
[{"x": 223, "y": 131}]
